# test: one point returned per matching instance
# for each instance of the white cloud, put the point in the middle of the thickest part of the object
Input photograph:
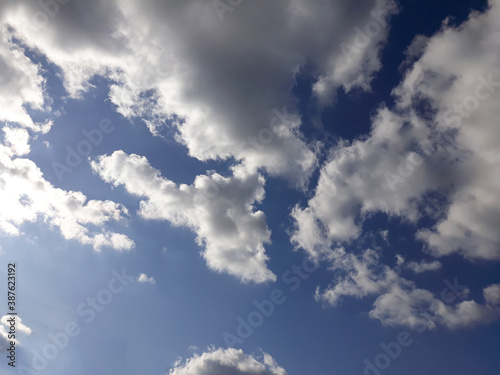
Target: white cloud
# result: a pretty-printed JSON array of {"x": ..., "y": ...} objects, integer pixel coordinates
[
  {"x": 429, "y": 144},
  {"x": 452, "y": 75},
  {"x": 410, "y": 153},
  {"x": 353, "y": 184},
  {"x": 17, "y": 140},
  {"x": 423, "y": 266},
  {"x": 399, "y": 301},
  {"x": 399, "y": 259},
  {"x": 143, "y": 278},
  {"x": 356, "y": 276},
  {"x": 220, "y": 105},
  {"x": 492, "y": 294},
  {"x": 25, "y": 195},
  {"x": 385, "y": 235},
  {"x": 227, "y": 361},
  {"x": 220, "y": 210},
  {"x": 21, "y": 85},
  {"x": 420, "y": 309},
  {"x": 360, "y": 50},
  {"x": 28, "y": 197},
  {"x": 216, "y": 101}
]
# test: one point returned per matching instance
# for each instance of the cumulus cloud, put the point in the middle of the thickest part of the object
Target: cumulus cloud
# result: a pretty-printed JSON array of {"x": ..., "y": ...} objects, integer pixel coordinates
[
  {"x": 17, "y": 140},
  {"x": 492, "y": 294},
  {"x": 438, "y": 144},
  {"x": 21, "y": 85},
  {"x": 28, "y": 197},
  {"x": 168, "y": 65},
  {"x": 464, "y": 93},
  {"x": 227, "y": 361},
  {"x": 218, "y": 103},
  {"x": 399, "y": 301},
  {"x": 25, "y": 195},
  {"x": 143, "y": 278},
  {"x": 220, "y": 210},
  {"x": 420, "y": 309},
  {"x": 356, "y": 276}
]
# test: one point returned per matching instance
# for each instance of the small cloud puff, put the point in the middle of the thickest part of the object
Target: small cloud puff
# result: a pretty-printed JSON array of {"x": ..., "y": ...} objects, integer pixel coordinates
[{"x": 143, "y": 278}]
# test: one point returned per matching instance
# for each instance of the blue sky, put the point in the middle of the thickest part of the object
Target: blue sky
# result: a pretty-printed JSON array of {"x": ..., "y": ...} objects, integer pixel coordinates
[{"x": 251, "y": 188}]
